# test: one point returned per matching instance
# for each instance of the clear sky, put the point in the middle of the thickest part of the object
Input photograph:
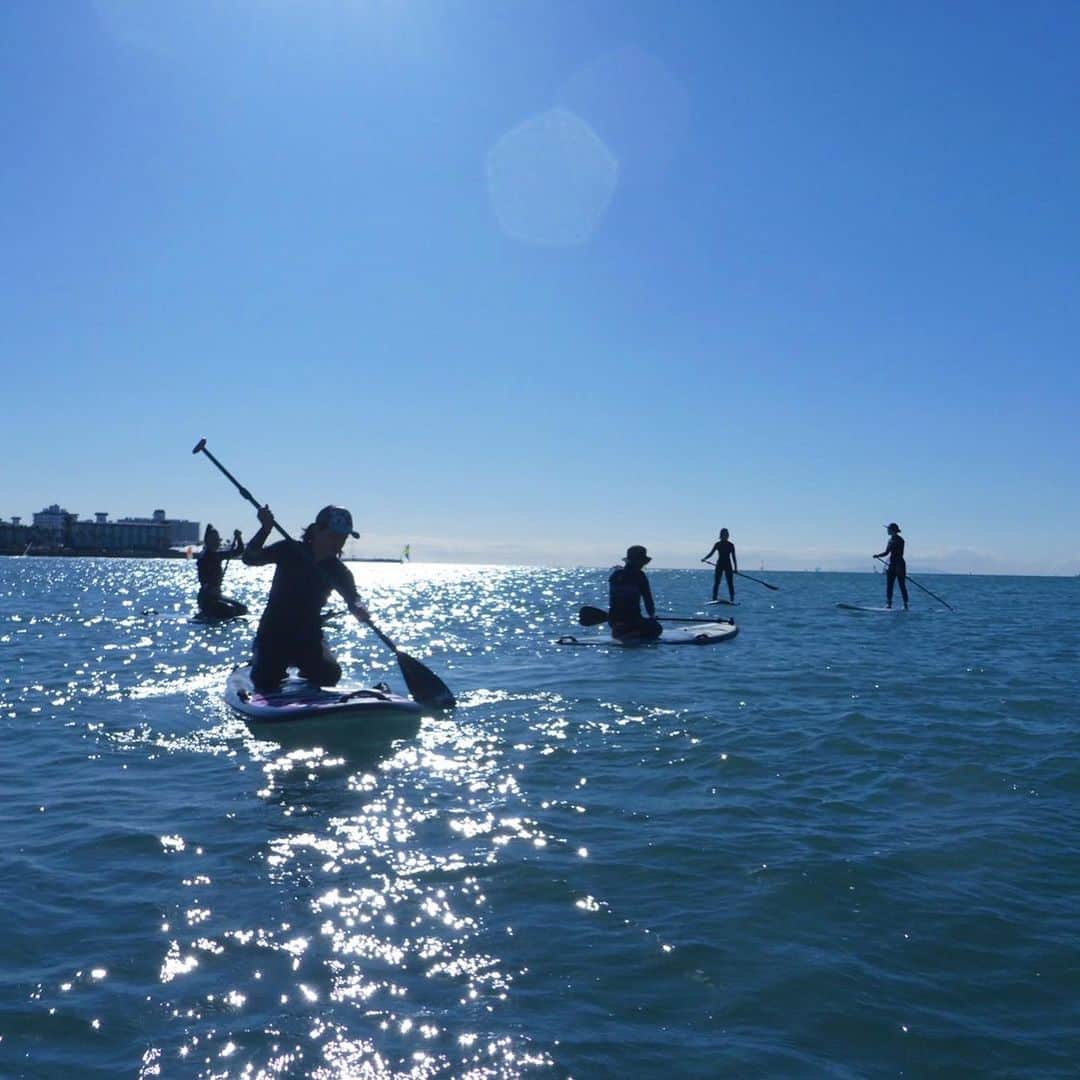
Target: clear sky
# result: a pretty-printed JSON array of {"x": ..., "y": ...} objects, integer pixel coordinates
[{"x": 531, "y": 281}]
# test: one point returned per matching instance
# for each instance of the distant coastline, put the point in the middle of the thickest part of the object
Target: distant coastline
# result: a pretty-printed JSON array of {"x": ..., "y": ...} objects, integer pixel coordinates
[
  {"x": 67, "y": 553},
  {"x": 92, "y": 553}
]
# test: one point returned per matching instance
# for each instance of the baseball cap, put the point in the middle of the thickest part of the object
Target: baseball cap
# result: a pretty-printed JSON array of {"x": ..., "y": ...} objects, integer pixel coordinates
[{"x": 337, "y": 519}]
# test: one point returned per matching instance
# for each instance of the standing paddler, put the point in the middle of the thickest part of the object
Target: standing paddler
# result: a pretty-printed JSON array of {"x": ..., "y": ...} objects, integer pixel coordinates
[
  {"x": 628, "y": 589},
  {"x": 727, "y": 564},
  {"x": 896, "y": 571}
]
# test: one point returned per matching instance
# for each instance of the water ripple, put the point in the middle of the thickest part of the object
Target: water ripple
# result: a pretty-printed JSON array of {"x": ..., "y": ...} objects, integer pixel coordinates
[{"x": 837, "y": 846}]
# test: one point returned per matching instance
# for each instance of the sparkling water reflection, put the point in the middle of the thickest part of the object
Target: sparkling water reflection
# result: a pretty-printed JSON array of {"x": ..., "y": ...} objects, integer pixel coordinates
[{"x": 837, "y": 845}]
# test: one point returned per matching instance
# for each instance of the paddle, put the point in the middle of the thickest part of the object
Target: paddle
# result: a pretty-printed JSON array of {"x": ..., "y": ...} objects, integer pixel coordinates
[
  {"x": 695, "y": 619},
  {"x": 775, "y": 588},
  {"x": 424, "y": 685},
  {"x": 594, "y": 616},
  {"x": 227, "y": 558},
  {"x": 908, "y": 577}
]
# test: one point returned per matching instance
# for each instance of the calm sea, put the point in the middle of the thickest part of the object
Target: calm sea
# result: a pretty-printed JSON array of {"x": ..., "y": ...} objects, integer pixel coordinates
[{"x": 841, "y": 845}]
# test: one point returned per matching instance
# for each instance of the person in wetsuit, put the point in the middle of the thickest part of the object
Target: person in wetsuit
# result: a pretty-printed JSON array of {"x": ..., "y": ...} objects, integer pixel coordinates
[
  {"x": 727, "y": 565},
  {"x": 628, "y": 588},
  {"x": 896, "y": 571},
  {"x": 210, "y": 563},
  {"x": 307, "y": 571}
]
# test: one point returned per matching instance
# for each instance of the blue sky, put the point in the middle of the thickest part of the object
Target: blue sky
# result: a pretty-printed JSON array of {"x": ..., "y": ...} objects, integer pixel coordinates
[{"x": 532, "y": 281}]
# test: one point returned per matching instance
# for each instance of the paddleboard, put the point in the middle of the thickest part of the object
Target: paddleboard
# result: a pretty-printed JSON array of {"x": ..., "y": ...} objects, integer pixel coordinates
[
  {"x": 702, "y": 633},
  {"x": 879, "y": 609},
  {"x": 297, "y": 709},
  {"x": 726, "y": 603}
]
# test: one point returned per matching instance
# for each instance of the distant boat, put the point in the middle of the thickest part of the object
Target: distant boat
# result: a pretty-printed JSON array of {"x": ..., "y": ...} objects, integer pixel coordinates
[
  {"x": 26, "y": 550},
  {"x": 402, "y": 558}
]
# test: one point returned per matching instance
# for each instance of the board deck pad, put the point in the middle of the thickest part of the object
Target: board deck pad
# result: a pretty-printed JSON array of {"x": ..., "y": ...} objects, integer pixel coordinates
[{"x": 702, "y": 633}]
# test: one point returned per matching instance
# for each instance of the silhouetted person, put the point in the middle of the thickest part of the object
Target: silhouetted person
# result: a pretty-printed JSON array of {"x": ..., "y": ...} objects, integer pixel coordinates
[
  {"x": 896, "y": 571},
  {"x": 628, "y": 588},
  {"x": 308, "y": 570},
  {"x": 211, "y": 566},
  {"x": 727, "y": 565}
]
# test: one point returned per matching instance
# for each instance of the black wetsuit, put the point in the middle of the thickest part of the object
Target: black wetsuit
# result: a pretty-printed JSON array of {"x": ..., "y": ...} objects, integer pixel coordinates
[
  {"x": 627, "y": 588},
  {"x": 212, "y": 605},
  {"x": 725, "y": 553},
  {"x": 896, "y": 571},
  {"x": 290, "y": 630}
]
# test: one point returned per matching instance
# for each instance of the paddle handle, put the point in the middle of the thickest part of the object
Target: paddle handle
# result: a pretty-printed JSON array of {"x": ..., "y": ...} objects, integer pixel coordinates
[{"x": 200, "y": 447}]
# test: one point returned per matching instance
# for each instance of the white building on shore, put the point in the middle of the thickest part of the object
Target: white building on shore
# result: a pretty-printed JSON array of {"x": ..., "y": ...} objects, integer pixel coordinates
[
  {"x": 181, "y": 532},
  {"x": 56, "y": 527}
]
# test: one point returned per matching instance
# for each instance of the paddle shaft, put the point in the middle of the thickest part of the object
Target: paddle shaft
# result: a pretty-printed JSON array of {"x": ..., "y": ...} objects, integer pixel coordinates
[
  {"x": 775, "y": 588},
  {"x": 908, "y": 577},
  {"x": 229, "y": 558},
  {"x": 594, "y": 616},
  {"x": 201, "y": 446},
  {"x": 697, "y": 619}
]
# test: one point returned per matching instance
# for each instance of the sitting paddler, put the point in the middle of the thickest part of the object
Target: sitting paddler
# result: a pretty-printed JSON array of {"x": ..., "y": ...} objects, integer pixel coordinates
[
  {"x": 727, "y": 564},
  {"x": 210, "y": 563},
  {"x": 896, "y": 571},
  {"x": 628, "y": 588},
  {"x": 307, "y": 571}
]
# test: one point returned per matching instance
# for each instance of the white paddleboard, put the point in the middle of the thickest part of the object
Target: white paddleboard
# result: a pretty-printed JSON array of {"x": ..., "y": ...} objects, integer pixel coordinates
[
  {"x": 299, "y": 710},
  {"x": 726, "y": 603},
  {"x": 702, "y": 633}
]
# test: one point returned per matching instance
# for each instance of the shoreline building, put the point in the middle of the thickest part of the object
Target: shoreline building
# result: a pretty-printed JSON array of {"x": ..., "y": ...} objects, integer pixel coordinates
[
  {"x": 181, "y": 533},
  {"x": 15, "y": 537},
  {"x": 57, "y": 530}
]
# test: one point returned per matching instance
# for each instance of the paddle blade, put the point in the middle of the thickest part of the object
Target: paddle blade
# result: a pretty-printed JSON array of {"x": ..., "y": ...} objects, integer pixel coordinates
[
  {"x": 425, "y": 686},
  {"x": 592, "y": 616},
  {"x": 750, "y": 577}
]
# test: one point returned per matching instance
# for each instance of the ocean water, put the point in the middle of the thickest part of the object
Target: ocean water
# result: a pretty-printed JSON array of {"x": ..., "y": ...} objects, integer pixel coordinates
[{"x": 840, "y": 845}]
